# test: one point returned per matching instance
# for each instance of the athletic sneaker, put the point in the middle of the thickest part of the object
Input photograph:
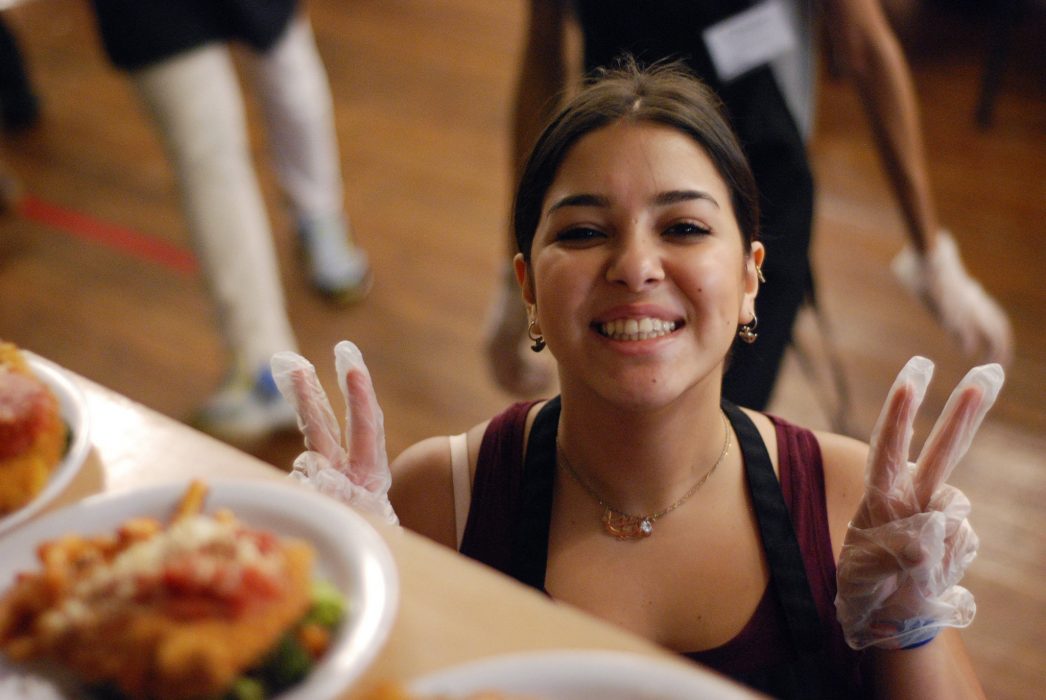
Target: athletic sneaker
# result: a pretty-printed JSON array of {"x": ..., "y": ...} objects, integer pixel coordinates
[
  {"x": 338, "y": 269},
  {"x": 244, "y": 411}
]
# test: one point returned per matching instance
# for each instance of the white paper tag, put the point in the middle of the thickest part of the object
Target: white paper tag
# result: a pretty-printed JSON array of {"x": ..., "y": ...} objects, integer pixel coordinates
[{"x": 749, "y": 39}]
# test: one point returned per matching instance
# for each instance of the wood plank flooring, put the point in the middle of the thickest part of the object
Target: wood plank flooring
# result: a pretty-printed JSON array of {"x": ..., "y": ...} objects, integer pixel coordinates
[{"x": 422, "y": 96}]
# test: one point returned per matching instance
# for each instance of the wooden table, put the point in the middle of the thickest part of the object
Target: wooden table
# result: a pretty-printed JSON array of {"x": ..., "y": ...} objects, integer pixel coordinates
[{"x": 452, "y": 610}]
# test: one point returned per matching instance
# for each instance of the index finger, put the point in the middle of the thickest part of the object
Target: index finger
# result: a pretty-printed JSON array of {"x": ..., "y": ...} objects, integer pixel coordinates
[
  {"x": 892, "y": 435},
  {"x": 296, "y": 379}
]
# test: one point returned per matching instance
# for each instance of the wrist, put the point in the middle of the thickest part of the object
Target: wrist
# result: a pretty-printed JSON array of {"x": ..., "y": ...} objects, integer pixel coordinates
[{"x": 916, "y": 645}]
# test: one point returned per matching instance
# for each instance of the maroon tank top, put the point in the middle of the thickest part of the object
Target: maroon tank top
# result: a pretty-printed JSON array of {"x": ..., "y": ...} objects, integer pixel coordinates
[{"x": 764, "y": 641}]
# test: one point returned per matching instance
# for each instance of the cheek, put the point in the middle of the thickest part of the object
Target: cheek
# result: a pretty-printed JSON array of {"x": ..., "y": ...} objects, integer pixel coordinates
[
  {"x": 557, "y": 279},
  {"x": 712, "y": 280}
]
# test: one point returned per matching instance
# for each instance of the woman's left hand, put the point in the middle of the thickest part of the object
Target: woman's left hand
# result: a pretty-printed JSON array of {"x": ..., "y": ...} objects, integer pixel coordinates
[{"x": 910, "y": 542}]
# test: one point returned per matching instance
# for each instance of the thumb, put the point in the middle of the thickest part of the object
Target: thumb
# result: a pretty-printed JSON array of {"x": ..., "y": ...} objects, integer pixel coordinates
[{"x": 888, "y": 487}]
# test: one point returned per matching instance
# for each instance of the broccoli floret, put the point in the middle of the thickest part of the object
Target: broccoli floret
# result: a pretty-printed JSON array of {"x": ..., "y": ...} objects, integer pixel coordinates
[
  {"x": 287, "y": 663},
  {"x": 328, "y": 606},
  {"x": 246, "y": 688}
]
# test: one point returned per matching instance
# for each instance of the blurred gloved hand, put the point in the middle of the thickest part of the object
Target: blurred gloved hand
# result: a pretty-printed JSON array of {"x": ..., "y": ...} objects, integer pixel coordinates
[
  {"x": 910, "y": 543},
  {"x": 355, "y": 471},
  {"x": 956, "y": 300}
]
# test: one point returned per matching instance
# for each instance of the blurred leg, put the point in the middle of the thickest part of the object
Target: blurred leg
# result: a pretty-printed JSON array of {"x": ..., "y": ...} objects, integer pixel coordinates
[
  {"x": 196, "y": 103},
  {"x": 19, "y": 105},
  {"x": 10, "y": 190},
  {"x": 294, "y": 93}
]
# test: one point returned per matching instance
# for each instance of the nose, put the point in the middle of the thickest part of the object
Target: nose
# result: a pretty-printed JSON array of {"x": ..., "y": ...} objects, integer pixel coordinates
[{"x": 636, "y": 261}]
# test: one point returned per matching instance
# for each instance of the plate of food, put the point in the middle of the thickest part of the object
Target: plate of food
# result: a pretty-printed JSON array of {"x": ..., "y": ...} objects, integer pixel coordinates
[
  {"x": 225, "y": 589},
  {"x": 44, "y": 433},
  {"x": 566, "y": 674}
]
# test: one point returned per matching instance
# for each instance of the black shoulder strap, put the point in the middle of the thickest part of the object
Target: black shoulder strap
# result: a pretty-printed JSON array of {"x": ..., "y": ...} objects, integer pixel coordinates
[
  {"x": 530, "y": 534},
  {"x": 779, "y": 541}
]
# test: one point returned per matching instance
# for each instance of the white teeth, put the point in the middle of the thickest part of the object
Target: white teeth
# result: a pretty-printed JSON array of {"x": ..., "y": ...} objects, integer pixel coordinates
[{"x": 637, "y": 329}]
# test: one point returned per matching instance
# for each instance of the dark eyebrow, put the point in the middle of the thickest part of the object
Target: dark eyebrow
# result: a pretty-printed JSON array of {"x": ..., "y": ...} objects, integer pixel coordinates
[
  {"x": 662, "y": 199},
  {"x": 683, "y": 196},
  {"x": 580, "y": 200}
]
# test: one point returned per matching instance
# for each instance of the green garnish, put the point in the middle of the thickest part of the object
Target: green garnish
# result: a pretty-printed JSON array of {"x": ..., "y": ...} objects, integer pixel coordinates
[
  {"x": 328, "y": 606},
  {"x": 289, "y": 661},
  {"x": 246, "y": 688}
]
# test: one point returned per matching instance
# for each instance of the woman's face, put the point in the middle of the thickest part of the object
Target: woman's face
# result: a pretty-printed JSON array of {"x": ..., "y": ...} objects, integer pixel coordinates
[{"x": 638, "y": 271}]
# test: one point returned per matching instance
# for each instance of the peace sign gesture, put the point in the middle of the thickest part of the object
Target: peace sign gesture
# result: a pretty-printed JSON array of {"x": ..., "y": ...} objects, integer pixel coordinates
[
  {"x": 356, "y": 470},
  {"x": 910, "y": 543}
]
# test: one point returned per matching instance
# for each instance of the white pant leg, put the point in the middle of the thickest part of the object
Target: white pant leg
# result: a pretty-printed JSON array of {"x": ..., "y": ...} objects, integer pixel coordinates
[
  {"x": 294, "y": 93},
  {"x": 196, "y": 102}
]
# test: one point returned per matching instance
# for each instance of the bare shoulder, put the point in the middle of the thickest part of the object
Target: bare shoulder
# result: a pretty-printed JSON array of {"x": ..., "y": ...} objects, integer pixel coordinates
[
  {"x": 844, "y": 460},
  {"x": 422, "y": 491}
]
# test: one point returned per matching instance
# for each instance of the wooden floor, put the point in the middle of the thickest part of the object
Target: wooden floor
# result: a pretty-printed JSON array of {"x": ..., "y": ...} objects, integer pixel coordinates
[{"x": 422, "y": 92}]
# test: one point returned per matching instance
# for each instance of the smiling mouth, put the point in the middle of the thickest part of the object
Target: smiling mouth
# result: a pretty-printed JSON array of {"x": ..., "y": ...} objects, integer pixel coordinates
[{"x": 636, "y": 328}]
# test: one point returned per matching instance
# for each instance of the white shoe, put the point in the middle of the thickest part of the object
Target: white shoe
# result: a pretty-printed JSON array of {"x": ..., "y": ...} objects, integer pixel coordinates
[
  {"x": 244, "y": 411},
  {"x": 338, "y": 269}
]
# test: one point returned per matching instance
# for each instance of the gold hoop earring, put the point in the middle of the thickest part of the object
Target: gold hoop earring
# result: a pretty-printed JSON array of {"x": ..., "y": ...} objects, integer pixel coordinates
[
  {"x": 539, "y": 341},
  {"x": 747, "y": 332}
]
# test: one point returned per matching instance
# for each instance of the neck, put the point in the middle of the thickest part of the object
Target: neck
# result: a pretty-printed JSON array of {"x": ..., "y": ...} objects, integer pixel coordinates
[{"x": 641, "y": 460}]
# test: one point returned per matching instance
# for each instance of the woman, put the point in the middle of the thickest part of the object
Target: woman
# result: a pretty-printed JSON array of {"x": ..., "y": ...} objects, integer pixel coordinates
[{"x": 640, "y": 495}]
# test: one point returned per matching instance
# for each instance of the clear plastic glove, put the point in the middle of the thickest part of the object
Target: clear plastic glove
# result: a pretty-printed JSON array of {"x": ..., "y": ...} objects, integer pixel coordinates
[
  {"x": 910, "y": 543},
  {"x": 956, "y": 300},
  {"x": 355, "y": 471}
]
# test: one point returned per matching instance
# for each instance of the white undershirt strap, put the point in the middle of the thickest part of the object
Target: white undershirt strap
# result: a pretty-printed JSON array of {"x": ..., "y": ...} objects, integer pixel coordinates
[{"x": 459, "y": 472}]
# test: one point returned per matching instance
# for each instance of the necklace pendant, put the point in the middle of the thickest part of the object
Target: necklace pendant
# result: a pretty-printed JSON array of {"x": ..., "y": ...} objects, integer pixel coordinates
[{"x": 626, "y": 527}]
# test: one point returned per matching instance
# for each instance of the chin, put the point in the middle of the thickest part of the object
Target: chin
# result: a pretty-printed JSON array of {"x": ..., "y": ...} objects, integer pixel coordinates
[{"x": 643, "y": 394}]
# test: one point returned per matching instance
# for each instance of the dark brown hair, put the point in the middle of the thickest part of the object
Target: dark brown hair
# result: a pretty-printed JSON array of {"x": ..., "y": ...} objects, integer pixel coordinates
[{"x": 665, "y": 93}]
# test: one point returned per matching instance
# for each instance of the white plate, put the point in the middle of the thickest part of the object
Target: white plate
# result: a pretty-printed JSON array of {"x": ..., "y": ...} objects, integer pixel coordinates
[
  {"x": 580, "y": 675},
  {"x": 350, "y": 554},
  {"x": 73, "y": 406}
]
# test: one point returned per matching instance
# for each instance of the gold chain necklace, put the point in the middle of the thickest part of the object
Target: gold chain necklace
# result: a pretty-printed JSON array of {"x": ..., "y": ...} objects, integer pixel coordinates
[{"x": 624, "y": 526}]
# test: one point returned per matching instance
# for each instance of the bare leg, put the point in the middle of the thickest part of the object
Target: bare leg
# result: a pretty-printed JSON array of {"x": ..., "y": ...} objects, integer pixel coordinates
[
  {"x": 195, "y": 101},
  {"x": 296, "y": 101}
]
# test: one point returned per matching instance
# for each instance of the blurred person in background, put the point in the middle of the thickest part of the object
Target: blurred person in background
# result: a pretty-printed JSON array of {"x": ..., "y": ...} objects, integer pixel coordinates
[
  {"x": 19, "y": 108},
  {"x": 19, "y": 104},
  {"x": 760, "y": 60},
  {"x": 177, "y": 56},
  {"x": 10, "y": 189}
]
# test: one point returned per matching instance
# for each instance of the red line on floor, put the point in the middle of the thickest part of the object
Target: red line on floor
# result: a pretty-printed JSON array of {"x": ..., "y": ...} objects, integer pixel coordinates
[{"x": 126, "y": 240}]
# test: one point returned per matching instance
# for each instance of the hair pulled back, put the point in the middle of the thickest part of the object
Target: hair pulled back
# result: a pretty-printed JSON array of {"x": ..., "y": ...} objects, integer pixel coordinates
[{"x": 664, "y": 93}]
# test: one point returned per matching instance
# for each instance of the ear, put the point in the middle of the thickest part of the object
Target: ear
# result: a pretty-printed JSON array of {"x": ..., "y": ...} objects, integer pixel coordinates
[
  {"x": 752, "y": 265},
  {"x": 524, "y": 279}
]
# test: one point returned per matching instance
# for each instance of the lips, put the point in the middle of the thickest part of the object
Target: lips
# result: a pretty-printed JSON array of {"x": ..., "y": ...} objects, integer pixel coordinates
[{"x": 644, "y": 328}]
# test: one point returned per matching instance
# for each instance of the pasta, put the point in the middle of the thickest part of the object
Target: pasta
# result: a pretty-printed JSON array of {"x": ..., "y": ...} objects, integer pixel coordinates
[
  {"x": 172, "y": 611},
  {"x": 33, "y": 436}
]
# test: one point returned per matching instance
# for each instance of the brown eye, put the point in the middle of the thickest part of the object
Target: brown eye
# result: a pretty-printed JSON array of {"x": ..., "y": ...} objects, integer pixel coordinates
[
  {"x": 579, "y": 235},
  {"x": 686, "y": 229}
]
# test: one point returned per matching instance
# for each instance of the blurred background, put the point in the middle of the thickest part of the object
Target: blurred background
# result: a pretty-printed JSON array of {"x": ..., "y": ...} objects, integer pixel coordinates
[{"x": 96, "y": 272}]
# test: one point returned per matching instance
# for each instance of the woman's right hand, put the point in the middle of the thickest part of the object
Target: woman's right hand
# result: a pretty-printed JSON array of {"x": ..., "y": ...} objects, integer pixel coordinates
[{"x": 355, "y": 470}]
